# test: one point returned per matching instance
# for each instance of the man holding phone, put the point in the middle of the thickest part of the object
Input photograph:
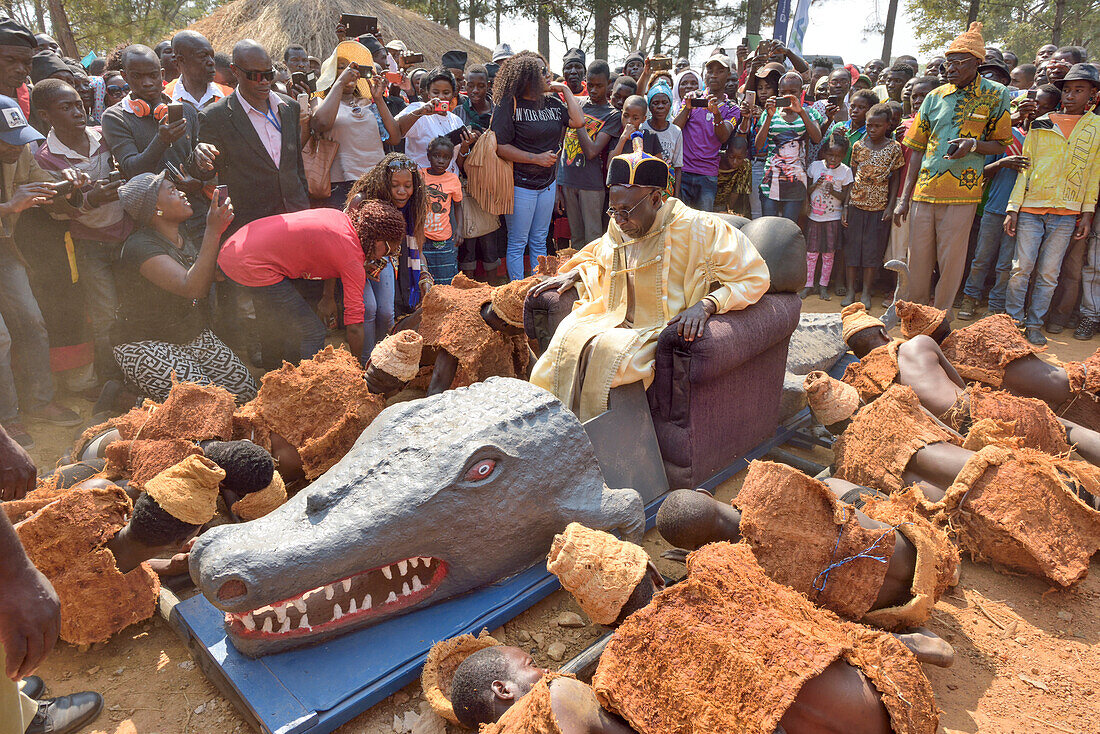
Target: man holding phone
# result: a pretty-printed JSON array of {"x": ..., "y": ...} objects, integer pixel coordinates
[{"x": 708, "y": 121}]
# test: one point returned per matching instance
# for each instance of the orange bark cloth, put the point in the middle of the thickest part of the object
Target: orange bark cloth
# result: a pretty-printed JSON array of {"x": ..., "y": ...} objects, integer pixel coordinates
[
  {"x": 1031, "y": 422},
  {"x": 440, "y": 666},
  {"x": 531, "y": 714},
  {"x": 1018, "y": 508},
  {"x": 937, "y": 559},
  {"x": 320, "y": 407},
  {"x": 141, "y": 460},
  {"x": 1083, "y": 407},
  {"x": 548, "y": 265},
  {"x": 883, "y": 436},
  {"x": 918, "y": 318},
  {"x": 728, "y": 649},
  {"x": 797, "y": 528},
  {"x": 982, "y": 350},
  {"x": 65, "y": 541},
  {"x": 45, "y": 492},
  {"x": 451, "y": 320},
  {"x": 875, "y": 372},
  {"x": 248, "y": 426}
]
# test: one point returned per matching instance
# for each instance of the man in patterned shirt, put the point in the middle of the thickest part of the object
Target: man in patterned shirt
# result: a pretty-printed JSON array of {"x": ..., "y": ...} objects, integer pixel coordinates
[{"x": 958, "y": 125}]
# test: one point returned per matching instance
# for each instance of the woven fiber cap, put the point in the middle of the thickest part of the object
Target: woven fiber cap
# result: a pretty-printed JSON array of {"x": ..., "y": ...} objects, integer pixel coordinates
[
  {"x": 507, "y": 300},
  {"x": 255, "y": 505},
  {"x": 439, "y": 669},
  {"x": 399, "y": 354},
  {"x": 830, "y": 399},
  {"x": 854, "y": 319},
  {"x": 139, "y": 196},
  {"x": 188, "y": 491},
  {"x": 598, "y": 569},
  {"x": 917, "y": 318},
  {"x": 970, "y": 42}
]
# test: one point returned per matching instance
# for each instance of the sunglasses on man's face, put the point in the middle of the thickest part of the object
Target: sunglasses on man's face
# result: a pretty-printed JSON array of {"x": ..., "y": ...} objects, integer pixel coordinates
[
  {"x": 115, "y": 89},
  {"x": 266, "y": 75}
]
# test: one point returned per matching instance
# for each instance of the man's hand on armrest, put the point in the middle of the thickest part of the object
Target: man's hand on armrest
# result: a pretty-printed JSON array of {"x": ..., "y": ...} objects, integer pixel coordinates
[
  {"x": 561, "y": 283},
  {"x": 690, "y": 323}
]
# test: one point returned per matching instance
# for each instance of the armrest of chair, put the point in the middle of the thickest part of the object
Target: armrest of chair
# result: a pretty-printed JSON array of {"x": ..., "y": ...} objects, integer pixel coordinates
[
  {"x": 729, "y": 339},
  {"x": 543, "y": 313}
]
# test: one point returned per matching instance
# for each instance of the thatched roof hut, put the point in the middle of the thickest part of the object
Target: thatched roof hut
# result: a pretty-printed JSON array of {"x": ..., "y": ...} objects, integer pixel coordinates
[{"x": 312, "y": 23}]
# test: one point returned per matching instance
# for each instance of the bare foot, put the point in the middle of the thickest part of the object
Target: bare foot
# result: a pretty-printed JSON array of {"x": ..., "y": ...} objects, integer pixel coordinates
[{"x": 927, "y": 646}]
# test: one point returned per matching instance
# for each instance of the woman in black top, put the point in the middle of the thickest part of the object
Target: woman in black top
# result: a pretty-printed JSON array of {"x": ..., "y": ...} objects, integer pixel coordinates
[
  {"x": 160, "y": 328},
  {"x": 529, "y": 123}
]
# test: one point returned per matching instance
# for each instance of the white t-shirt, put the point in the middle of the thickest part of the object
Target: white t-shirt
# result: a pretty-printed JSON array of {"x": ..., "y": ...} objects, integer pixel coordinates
[
  {"x": 672, "y": 143},
  {"x": 824, "y": 207},
  {"x": 427, "y": 129}
]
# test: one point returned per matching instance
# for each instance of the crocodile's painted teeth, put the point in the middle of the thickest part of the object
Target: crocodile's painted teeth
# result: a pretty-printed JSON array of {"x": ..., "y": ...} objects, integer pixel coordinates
[
  {"x": 337, "y": 612},
  {"x": 267, "y": 624},
  {"x": 387, "y": 572},
  {"x": 403, "y": 567},
  {"x": 328, "y": 592},
  {"x": 303, "y": 623},
  {"x": 366, "y": 602},
  {"x": 417, "y": 586},
  {"x": 351, "y": 607},
  {"x": 391, "y": 598},
  {"x": 248, "y": 622},
  {"x": 346, "y": 583}
]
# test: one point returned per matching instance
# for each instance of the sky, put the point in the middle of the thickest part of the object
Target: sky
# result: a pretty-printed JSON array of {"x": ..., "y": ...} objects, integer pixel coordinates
[{"x": 836, "y": 28}]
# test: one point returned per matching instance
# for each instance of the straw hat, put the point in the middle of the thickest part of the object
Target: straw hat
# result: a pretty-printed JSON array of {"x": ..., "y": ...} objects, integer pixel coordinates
[
  {"x": 970, "y": 42},
  {"x": 399, "y": 354},
  {"x": 507, "y": 300},
  {"x": 439, "y": 669},
  {"x": 854, "y": 319},
  {"x": 831, "y": 400},
  {"x": 917, "y": 318},
  {"x": 255, "y": 505},
  {"x": 353, "y": 52},
  {"x": 188, "y": 491},
  {"x": 598, "y": 569}
]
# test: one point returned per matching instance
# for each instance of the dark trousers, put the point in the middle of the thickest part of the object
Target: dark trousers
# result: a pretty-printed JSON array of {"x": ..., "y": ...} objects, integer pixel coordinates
[{"x": 289, "y": 329}]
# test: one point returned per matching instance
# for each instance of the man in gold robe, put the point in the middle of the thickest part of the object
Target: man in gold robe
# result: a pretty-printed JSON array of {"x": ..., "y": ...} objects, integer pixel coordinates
[{"x": 660, "y": 263}]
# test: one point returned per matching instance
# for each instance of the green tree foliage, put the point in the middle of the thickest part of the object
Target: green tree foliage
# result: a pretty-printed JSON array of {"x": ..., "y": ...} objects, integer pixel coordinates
[
  {"x": 103, "y": 24},
  {"x": 1019, "y": 25}
]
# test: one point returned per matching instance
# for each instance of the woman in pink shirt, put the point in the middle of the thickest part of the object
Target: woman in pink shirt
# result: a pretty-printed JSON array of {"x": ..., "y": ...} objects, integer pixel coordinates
[{"x": 269, "y": 254}]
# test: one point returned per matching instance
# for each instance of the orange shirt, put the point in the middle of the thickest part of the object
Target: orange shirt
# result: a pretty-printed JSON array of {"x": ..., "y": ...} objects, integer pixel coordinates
[{"x": 442, "y": 192}]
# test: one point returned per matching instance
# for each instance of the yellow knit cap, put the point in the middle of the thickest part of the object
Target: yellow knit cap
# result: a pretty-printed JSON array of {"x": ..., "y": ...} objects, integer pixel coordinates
[
  {"x": 598, "y": 569},
  {"x": 255, "y": 505},
  {"x": 854, "y": 318},
  {"x": 830, "y": 399},
  {"x": 917, "y": 318},
  {"x": 188, "y": 491},
  {"x": 439, "y": 669},
  {"x": 970, "y": 42}
]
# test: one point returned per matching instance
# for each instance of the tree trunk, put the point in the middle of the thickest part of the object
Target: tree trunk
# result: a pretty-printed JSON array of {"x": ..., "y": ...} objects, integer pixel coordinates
[
  {"x": 62, "y": 31},
  {"x": 972, "y": 14},
  {"x": 544, "y": 32},
  {"x": 752, "y": 24},
  {"x": 658, "y": 30},
  {"x": 473, "y": 22},
  {"x": 602, "y": 28},
  {"x": 39, "y": 15},
  {"x": 685, "y": 28},
  {"x": 888, "y": 32},
  {"x": 496, "y": 7},
  {"x": 1059, "y": 18},
  {"x": 452, "y": 14}
]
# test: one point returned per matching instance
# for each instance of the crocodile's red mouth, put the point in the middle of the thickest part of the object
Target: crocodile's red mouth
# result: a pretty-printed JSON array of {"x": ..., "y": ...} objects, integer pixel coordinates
[{"x": 344, "y": 602}]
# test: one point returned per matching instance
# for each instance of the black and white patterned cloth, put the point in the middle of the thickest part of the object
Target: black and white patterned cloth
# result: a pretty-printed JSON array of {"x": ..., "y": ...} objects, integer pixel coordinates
[{"x": 205, "y": 360}]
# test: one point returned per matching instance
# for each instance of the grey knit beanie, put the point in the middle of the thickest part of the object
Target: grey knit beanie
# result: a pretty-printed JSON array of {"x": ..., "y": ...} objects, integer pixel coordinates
[{"x": 139, "y": 196}]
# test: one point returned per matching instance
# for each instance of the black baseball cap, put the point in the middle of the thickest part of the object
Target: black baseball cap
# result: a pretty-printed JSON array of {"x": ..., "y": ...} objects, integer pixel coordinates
[{"x": 16, "y": 34}]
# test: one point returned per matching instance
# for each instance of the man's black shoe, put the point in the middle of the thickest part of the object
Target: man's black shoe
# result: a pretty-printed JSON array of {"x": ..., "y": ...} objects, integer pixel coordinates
[
  {"x": 32, "y": 686},
  {"x": 66, "y": 714}
]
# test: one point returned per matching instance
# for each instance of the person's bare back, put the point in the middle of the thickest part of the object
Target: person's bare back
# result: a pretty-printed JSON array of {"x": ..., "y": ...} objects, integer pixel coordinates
[{"x": 922, "y": 366}]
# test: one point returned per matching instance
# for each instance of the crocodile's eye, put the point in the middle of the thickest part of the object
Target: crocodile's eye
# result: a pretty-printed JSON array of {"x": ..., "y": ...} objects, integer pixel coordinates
[{"x": 481, "y": 470}]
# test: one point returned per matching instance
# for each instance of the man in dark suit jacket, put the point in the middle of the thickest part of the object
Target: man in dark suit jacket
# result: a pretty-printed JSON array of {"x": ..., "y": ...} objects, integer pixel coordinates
[{"x": 258, "y": 137}]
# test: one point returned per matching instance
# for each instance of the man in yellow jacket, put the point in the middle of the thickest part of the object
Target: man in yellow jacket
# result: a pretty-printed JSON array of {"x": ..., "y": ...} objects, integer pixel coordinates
[
  {"x": 1054, "y": 197},
  {"x": 655, "y": 266}
]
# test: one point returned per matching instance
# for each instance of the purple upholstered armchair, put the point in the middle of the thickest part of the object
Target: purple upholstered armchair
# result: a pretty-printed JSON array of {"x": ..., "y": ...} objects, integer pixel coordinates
[{"x": 714, "y": 399}]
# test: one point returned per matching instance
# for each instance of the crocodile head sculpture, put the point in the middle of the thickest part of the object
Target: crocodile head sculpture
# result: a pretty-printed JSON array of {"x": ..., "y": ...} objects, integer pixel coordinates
[{"x": 437, "y": 497}]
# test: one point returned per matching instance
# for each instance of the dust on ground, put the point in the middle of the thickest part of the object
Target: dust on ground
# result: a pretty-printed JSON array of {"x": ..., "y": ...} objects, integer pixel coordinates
[{"x": 1026, "y": 656}]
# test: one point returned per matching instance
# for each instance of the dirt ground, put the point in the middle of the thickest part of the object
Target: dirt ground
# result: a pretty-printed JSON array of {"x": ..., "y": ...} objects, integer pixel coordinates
[{"x": 1026, "y": 656}]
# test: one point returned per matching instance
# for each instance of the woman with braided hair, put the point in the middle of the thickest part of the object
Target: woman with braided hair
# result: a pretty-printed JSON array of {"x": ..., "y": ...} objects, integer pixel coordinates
[{"x": 529, "y": 123}]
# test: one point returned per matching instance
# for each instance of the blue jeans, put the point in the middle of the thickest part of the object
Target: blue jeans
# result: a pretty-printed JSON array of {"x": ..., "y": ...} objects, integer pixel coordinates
[
  {"x": 378, "y": 300},
  {"x": 754, "y": 194},
  {"x": 994, "y": 246},
  {"x": 24, "y": 344},
  {"x": 528, "y": 226},
  {"x": 788, "y": 209},
  {"x": 698, "y": 190},
  {"x": 288, "y": 326},
  {"x": 1041, "y": 243},
  {"x": 1090, "y": 274}
]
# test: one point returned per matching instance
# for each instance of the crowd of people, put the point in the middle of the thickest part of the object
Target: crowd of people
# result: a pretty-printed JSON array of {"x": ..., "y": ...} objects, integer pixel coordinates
[{"x": 171, "y": 215}]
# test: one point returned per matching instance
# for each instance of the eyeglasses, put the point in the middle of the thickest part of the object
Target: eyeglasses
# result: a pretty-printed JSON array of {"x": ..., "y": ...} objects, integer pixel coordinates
[
  {"x": 618, "y": 214},
  {"x": 265, "y": 75},
  {"x": 402, "y": 163}
]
